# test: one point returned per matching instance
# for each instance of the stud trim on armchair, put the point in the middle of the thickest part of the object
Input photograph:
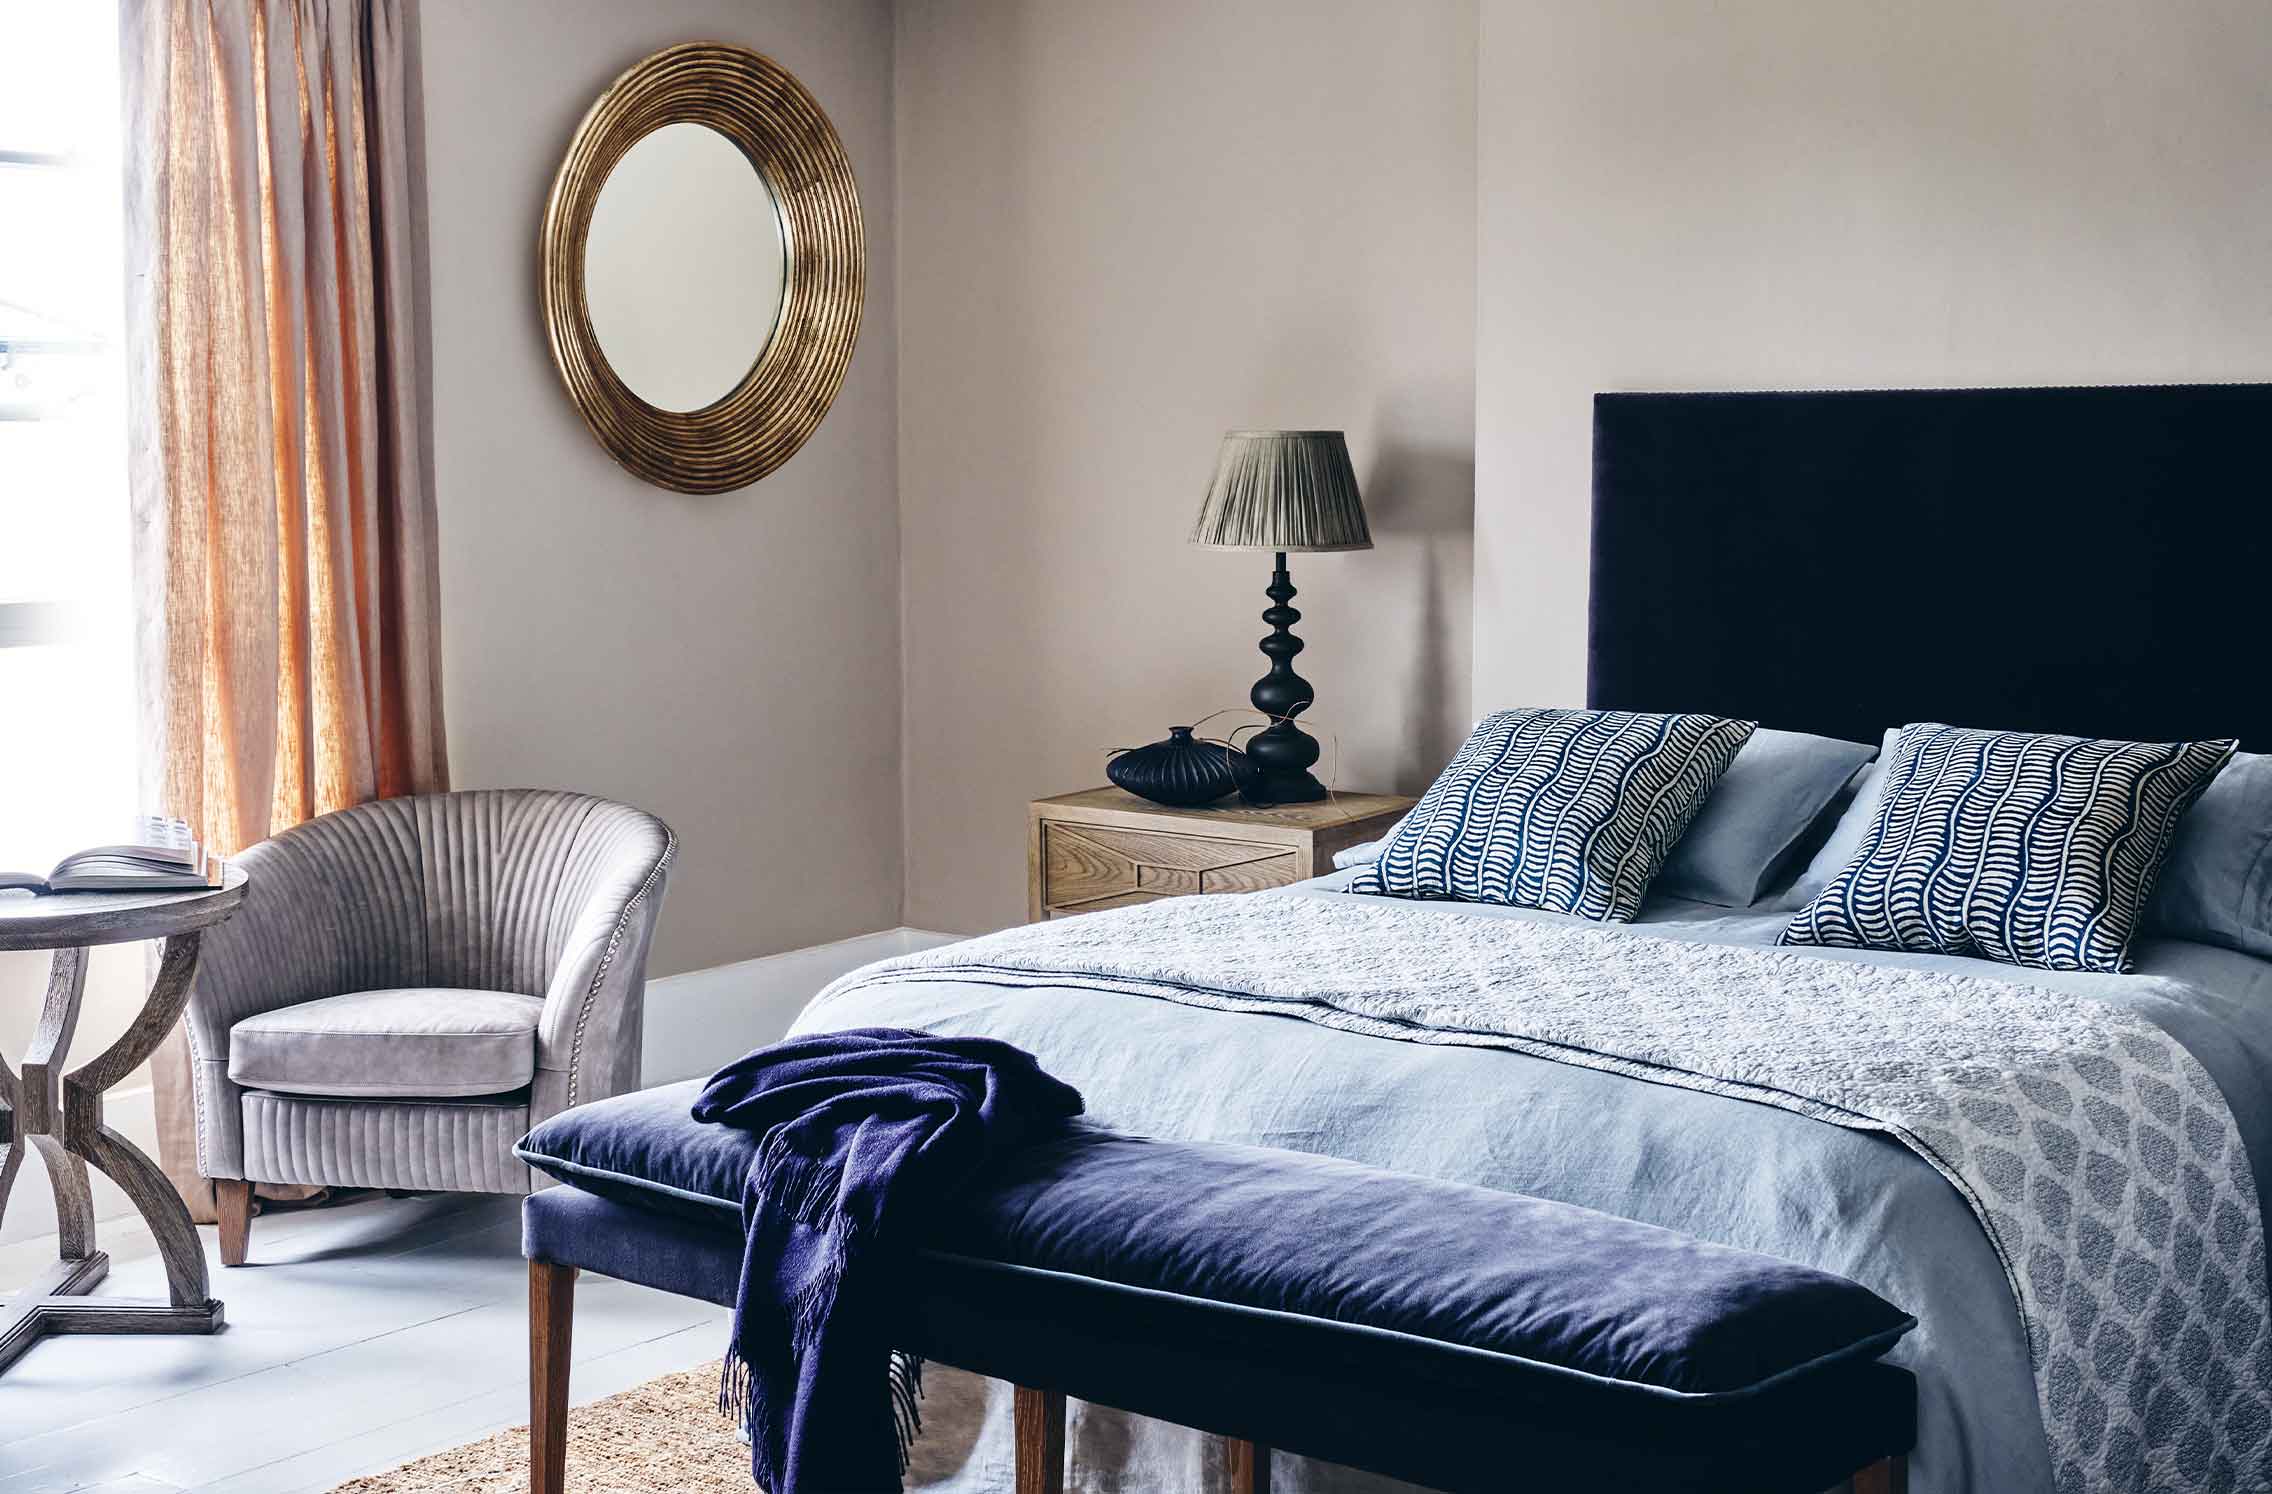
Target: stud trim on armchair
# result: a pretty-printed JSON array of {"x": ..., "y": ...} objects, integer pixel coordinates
[{"x": 614, "y": 942}]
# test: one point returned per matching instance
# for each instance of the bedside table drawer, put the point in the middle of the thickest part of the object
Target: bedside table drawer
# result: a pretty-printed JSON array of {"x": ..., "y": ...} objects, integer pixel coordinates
[
  {"x": 1103, "y": 848},
  {"x": 1084, "y": 867}
]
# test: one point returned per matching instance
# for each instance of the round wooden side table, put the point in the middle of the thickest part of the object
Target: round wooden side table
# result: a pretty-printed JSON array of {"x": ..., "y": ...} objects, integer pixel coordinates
[{"x": 60, "y": 1114}]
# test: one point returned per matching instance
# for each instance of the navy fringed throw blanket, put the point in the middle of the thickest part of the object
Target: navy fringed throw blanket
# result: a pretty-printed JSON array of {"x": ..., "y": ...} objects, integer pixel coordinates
[{"x": 865, "y": 1133}]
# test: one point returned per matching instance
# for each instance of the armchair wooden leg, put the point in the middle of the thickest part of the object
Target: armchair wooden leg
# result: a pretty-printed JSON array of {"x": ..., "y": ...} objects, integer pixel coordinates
[
  {"x": 1039, "y": 1416},
  {"x": 232, "y": 1200},
  {"x": 552, "y": 1313},
  {"x": 1885, "y": 1476}
]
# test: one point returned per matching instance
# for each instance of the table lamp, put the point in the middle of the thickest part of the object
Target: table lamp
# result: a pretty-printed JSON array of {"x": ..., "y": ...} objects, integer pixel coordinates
[{"x": 1282, "y": 491}]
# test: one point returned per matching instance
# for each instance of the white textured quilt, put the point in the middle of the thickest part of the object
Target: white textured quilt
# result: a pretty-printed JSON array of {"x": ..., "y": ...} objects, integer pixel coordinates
[{"x": 2100, "y": 1159}]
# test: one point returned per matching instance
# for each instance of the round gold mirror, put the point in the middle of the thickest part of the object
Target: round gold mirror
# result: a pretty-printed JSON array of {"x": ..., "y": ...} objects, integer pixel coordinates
[{"x": 703, "y": 267}]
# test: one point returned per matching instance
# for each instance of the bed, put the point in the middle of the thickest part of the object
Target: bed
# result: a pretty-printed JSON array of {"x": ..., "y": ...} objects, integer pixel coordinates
[{"x": 2068, "y": 560}]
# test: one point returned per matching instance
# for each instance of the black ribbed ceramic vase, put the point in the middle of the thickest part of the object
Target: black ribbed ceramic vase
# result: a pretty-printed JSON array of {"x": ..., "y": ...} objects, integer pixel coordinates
[{"x": 1182, "y": 771}]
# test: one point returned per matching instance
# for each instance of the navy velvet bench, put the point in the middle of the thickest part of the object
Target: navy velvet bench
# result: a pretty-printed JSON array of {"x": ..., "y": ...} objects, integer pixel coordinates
[{"x": 1455, "y": 1337}]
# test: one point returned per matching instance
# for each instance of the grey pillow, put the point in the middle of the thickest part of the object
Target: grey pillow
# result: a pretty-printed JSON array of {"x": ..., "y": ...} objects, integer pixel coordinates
[
  {"x": 1846, "y": 838},
  {"x": 1739, "y": 844},
  {"x": 2216, "y": 887}
]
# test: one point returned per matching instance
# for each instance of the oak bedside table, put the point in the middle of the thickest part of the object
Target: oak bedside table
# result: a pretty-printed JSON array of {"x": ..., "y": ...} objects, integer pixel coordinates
[{"x": 1106, "y": 848}]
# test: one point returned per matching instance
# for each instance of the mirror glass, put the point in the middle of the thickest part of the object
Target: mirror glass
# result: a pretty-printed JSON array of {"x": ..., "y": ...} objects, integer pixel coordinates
[{"x": 683, "y": 267}]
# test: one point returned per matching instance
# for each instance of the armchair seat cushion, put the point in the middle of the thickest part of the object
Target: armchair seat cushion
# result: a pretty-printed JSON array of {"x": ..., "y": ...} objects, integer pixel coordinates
[{"x": 425, "y": 1041}]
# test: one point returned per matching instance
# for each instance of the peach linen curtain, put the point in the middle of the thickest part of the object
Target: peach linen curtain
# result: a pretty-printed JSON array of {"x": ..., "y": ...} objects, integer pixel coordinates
[{"x": 285, "y": 566}]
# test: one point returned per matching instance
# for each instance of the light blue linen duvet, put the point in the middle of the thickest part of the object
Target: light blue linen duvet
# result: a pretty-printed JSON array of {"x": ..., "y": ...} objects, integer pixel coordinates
[{"x": 1724, "y": 1169}]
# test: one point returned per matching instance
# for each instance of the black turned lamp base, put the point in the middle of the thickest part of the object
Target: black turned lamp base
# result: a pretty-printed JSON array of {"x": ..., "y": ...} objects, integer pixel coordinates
[
  {"x": 1298, "y": 787},
  {"x": 1279, "y": 758},
  {"x": 1276, "y": 767}
]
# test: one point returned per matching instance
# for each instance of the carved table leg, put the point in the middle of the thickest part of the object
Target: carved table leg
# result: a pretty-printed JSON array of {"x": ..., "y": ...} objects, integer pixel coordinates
[
  {"x": 61, "y": 1115},
  {"x": 39, "y": 1103},
  {"x": 12, "y": 1144},
  {"x": 11, "y": 1150}
]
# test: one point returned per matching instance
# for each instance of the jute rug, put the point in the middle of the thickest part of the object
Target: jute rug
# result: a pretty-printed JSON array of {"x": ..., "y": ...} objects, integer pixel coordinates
[{"x": 663, "y": 1435}]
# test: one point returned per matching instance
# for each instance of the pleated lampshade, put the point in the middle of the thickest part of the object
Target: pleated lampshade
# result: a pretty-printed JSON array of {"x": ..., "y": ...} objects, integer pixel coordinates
[{"x": 1283, "y": 490}]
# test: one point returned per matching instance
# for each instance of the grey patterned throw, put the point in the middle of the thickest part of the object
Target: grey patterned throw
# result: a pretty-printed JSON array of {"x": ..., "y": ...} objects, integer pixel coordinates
[{"x": 2099, "y": 1156}]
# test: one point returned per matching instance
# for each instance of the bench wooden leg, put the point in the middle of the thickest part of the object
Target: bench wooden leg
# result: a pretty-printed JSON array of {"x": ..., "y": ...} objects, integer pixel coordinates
[
  {"x": 1040, "y": 1419},
  {"x": 1885, "y": 1476},
  {"x": 232, "y": 1203},
  {"x": 1249, "y": 1465},
  {"x": 552, "y": 1313}
]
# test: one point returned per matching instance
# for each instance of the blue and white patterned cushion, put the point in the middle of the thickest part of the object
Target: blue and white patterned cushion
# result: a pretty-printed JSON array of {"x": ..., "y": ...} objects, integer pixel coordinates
[
  {"x": 1570, "y": 811},
  {"x": 2012, "y": 846}
]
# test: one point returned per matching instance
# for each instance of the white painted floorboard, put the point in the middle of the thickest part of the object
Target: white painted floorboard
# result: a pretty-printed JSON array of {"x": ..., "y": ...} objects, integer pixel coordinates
[{"x": 358, "y": 1337}]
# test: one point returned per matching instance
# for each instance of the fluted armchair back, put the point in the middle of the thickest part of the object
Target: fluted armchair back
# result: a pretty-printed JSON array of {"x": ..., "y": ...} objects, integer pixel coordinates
[{"x": 538, "y": 892}]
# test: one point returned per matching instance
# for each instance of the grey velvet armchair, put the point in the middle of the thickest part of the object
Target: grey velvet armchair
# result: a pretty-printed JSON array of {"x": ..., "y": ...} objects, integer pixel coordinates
[{"x": 413, "y": 983}]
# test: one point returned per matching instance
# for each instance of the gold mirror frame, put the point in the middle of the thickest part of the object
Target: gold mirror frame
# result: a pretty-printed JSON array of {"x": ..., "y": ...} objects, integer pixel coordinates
[{"x": 761, "y": 107}]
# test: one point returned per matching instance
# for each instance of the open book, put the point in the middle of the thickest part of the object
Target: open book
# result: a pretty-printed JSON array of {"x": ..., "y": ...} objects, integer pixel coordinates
[{"x": 159, "y": 855}]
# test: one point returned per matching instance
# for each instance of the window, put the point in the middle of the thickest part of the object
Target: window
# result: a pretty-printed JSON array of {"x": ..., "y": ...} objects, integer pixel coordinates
[{"x": 67, "y": 721}]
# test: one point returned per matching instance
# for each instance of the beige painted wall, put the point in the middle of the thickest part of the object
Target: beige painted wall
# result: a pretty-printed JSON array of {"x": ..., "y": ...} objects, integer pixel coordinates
[
  {"x": 730, "y": 662},
  {"x": 1124, "y": 229},
  {"x": 1758, "y": 194},
  {"x": 1120, "y": 229}
]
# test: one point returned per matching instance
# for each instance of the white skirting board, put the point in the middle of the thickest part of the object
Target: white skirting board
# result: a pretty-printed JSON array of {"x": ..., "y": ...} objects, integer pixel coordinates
[
  {"x": 698, "y": 1020},
  {"x": 695, "y": 1022}
]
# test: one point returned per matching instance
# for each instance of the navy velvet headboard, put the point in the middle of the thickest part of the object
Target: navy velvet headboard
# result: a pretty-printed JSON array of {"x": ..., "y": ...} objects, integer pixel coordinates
[{"x": 2096, "y": 561}]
